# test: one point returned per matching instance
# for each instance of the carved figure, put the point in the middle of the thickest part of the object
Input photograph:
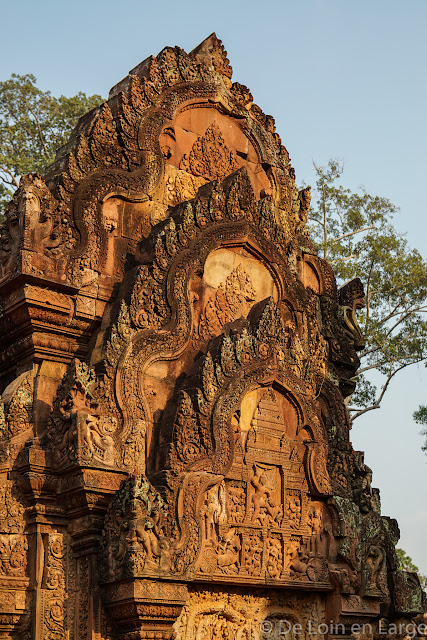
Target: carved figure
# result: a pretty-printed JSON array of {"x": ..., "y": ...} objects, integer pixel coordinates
[
  {"x": 298, "y": 355},
  {"x": 375, "y": 561},
  {"x": 296, "y": 558},
  {"x": 315, "y": 521},
  {"x": 252, "y": 553},
  {"x": 142, "y": 530},
  {"x": 262, "y": 498},
  {"x": 275, "y": 558},
  {"x": 133, "y": 539},
  {"x": 294, "y": 511},
  {"x": 228, "y": 553},
  {"x": 97, "y": 439},
  {"x": 237, "y": 500},
  {"x": 304, "y": 198},
  {"x": 214, "y": 511}
]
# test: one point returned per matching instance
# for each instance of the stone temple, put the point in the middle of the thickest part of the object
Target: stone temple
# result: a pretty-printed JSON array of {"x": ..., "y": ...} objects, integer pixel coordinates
[{"x": 174, "y": 362}]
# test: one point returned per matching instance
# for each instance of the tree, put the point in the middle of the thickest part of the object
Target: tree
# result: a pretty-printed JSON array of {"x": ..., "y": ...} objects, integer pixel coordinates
[
  {"x": 33, "y": 125},
  {"x": 354, "y": 232},
  {"x": 406, "y": 564},
  {"x": 420, "y": 416}
]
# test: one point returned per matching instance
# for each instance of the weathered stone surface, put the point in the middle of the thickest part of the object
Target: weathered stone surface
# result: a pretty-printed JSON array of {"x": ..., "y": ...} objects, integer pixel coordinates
[{"x": 175, "y": 456}]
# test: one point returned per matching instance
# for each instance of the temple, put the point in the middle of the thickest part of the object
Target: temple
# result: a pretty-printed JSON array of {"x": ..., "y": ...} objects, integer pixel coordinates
[{"x": 174, "y": 363}]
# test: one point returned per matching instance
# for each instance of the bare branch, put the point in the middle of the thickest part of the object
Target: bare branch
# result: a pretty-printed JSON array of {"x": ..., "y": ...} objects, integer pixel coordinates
[
  {"x": 368, "y": 352},
  {"x": 352, "y": 233},
  {"x": 370, "y": 367},
  {"x": 315, "y": 220},
  {"x": 384, "y": 388},
  {"x": 368, "y": 284},
  {"x": 13, "y": 180},
  {"x": 39, "y": 130},
  {"x": 342, "y": 259}
]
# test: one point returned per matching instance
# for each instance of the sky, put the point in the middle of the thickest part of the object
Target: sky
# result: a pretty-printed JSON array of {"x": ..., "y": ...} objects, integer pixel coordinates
[{"x": 343, "y": 79}]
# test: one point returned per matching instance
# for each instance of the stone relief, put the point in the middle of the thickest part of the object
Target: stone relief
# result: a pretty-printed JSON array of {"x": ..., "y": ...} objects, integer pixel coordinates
[
  {"x": 76, "y": 431},
  {"x": 233, "y": 299},
  {"x": 209, "y": 157},
  {"x": 264, "y": 504},
  {"x": 133, "y": 536},
  {"x": 217, "y": 614},
  {"x": 294, "y": 510},
  {"x": 17, "y": 405},
  {"x": 33, "y": 220},
  {"x": 59, "y": 584}
]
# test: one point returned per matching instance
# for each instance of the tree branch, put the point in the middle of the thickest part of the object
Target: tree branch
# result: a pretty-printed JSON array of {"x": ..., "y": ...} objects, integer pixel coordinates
[
  {"x": 343, "y": 259},
  {"x": 315, "y": 220},
  {"x": 13, "y": 180},
  {"x": 352, "y": 233},
  {"x": 39, "y": 130},
  {"x": 35, "y": 116},
  {"x": 367, "y": 297},
  {"x": 377, "y": 403}
]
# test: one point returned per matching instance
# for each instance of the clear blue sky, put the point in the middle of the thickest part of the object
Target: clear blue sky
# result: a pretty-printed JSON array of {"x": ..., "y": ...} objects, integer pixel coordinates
[{"x": 342, "y": 79}]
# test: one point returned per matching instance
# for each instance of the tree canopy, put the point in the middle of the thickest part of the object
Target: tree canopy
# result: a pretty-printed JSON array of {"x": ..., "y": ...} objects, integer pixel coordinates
[
  {"x": 33, "y": 125},
  {"x": 420, "y": 416},
  {"x": 355, "y": 233},
  {"x": 407, "y": 564}
]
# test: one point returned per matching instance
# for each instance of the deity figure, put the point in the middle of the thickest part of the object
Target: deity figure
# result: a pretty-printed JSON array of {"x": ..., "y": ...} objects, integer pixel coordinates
[
  {"x": 213, "y": 512},
  {"x": 262, "y": 499}
]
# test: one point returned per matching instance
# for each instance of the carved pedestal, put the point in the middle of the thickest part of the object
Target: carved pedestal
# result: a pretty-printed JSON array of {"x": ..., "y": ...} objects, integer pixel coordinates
[{"x": 144, "y": 608}]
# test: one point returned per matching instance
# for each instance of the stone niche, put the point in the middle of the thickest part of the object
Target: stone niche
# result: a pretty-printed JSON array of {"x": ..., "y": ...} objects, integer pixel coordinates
[
  {"x": 174, "y": 362},
  {"x": 208, "y": 144}
]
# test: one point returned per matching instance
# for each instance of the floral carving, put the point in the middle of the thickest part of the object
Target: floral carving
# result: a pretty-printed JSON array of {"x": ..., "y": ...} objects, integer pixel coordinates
[
  {"x": 17, "y": 405},
  {"x": 13, "y": 555},
  {"x": 210, "y": 157},
  {"x": 59, "y": 586},
  {"x": 11, "y": 510},
  {"x": 233, "y": 299}
]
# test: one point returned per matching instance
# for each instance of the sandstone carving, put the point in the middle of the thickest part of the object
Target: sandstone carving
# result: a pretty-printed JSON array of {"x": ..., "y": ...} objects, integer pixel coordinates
[{"x": 175, "y": 358}]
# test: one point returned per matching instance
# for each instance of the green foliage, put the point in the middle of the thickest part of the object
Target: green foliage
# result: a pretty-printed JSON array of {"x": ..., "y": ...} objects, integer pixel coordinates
[
  {"x": 406, "y": 564},
  {"x": 33, "y": 125},
  {"x": 420, "y": 416},
  {"x": 354, "y": 232}
]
